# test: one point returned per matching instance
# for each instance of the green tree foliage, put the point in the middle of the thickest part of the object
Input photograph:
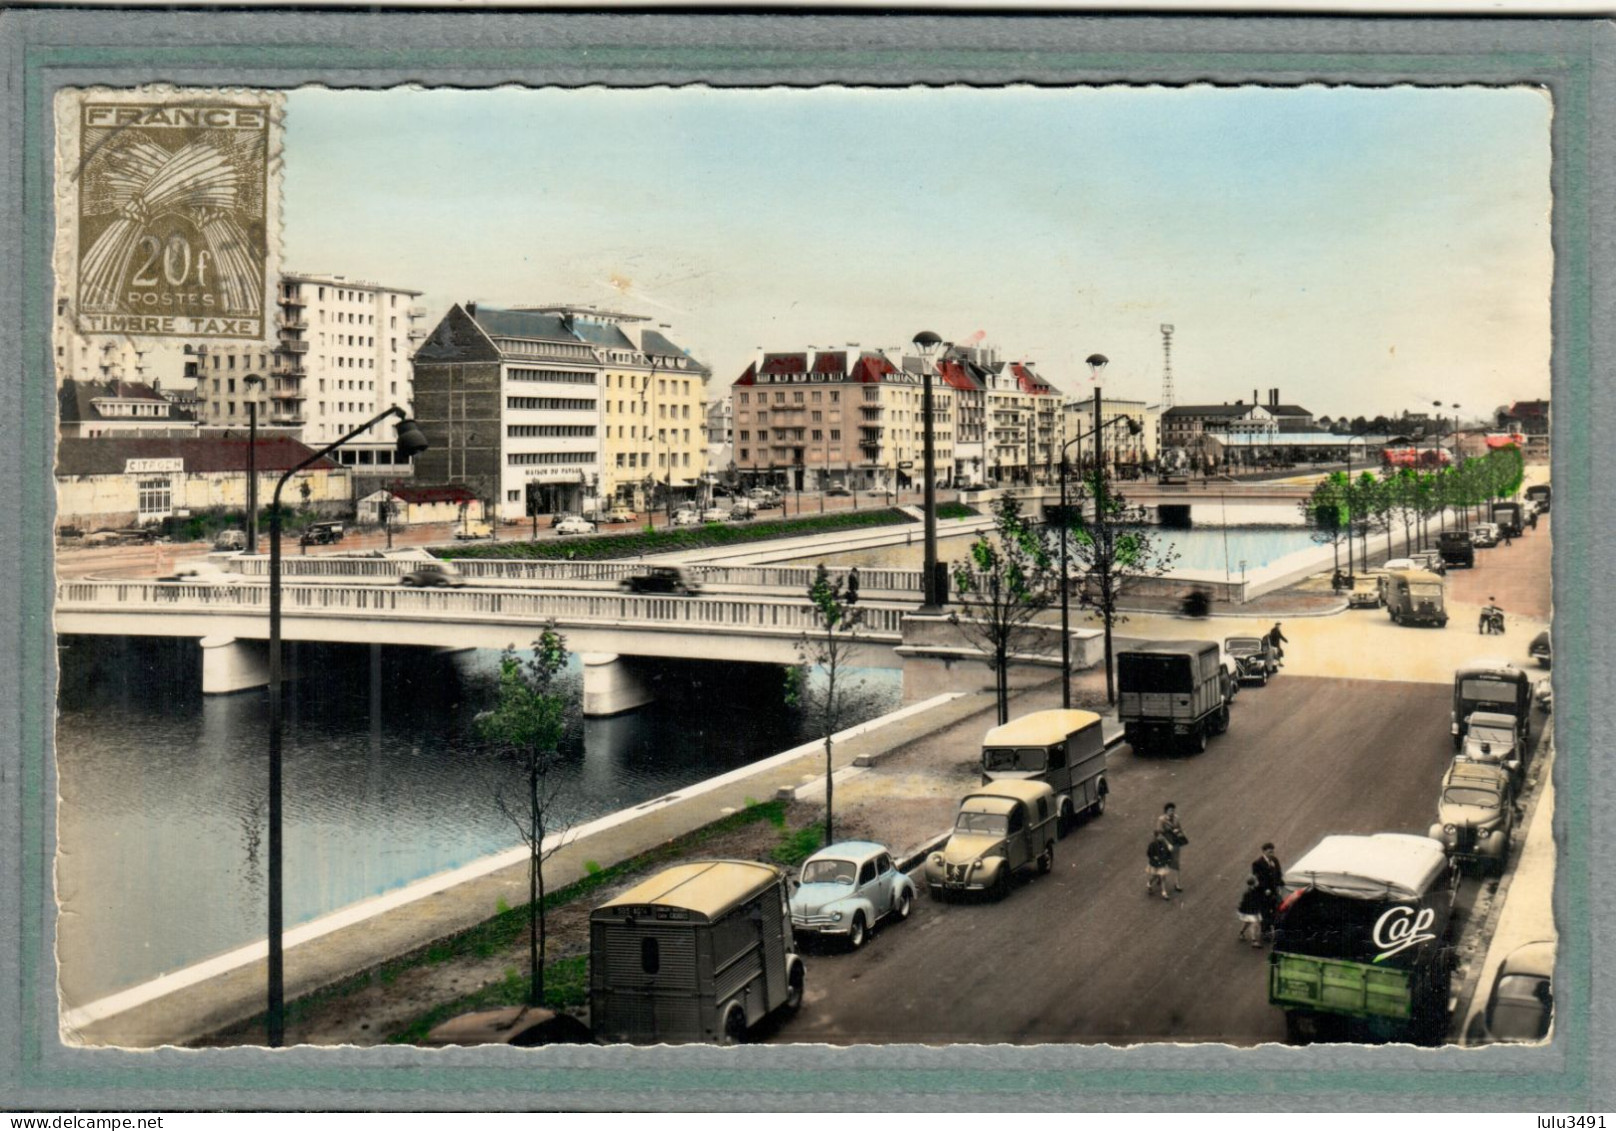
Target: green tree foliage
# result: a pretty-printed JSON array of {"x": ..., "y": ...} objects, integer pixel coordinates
[
  {"x": 1008, "y": 579},
  {"x": 526, "y": 726}
]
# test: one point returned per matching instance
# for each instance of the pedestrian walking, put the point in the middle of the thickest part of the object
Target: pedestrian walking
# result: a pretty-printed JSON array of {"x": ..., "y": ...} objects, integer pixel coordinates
[
  {"x": 1158, "y": 859},
  {"x": 1169, "y": 829},
  {"x": 1533, "y": 520},
  {"x": 1278, "y": 639},
  {"x": 1250, "y": 913},
  {"x": 1506, "y": 532},
  {"x": 1270, "y": 877},
  {"x": 852, "y": 586}
]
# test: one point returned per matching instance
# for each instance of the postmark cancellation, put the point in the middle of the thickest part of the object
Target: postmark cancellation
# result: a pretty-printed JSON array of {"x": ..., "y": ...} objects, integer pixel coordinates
[{"x": 168, "y": 211}]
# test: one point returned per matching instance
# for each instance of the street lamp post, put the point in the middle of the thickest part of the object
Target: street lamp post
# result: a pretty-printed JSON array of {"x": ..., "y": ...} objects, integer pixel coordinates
[
  {"x": 410, "y": 443},
  {"x": 251, "y": 381},
  {"x": 927, "y": 345},
  {"x": 1066, "y": 595}
]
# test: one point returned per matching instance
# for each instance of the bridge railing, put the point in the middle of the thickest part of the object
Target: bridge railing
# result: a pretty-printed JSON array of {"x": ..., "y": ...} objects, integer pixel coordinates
[
  {"x": 785, "y": 578},
  {"x": 530, "y": 607}
]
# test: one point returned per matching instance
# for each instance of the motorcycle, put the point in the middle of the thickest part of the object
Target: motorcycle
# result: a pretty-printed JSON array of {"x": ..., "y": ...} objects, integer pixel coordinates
[{"x": 1492, "y": 621}]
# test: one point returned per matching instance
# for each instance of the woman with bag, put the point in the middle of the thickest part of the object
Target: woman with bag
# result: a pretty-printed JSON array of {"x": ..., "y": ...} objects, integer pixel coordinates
[{"x": 1169, "y": 829}]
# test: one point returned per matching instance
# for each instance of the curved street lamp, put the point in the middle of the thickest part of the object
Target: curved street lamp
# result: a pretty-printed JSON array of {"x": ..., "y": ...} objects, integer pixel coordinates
[{"x": 410, "y": 442}]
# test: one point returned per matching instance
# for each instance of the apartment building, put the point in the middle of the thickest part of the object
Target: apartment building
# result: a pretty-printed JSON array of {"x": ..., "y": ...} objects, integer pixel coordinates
[
  {"x": 578, "y": 406},
  {"x": 102, "y": 358},
  {"x": 807, "y": 420},
  {"x": 1123, "y": 447},
  {"x": 1022, "y": 413}
]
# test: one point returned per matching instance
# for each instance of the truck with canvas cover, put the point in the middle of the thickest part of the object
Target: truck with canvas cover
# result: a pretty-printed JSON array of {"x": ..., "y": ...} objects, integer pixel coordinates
[
  {"x": 1493, "y": 686},
  {"x": 701, "y": 951},
  {"x": 1172, "y": 693},
  {"x": 1362, "y": 947},
  {"x": 1063, "y": 749}
]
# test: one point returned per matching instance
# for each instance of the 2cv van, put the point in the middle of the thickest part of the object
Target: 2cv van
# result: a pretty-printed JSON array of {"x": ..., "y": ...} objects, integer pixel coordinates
[
  {"x": 1492, "y": 686},
  {"x": 1063, "y": 749},
  {"x": 1001, "y": 828},
  {"x": 701, "y": 951},
  {"x": 1414, "y": 596}
]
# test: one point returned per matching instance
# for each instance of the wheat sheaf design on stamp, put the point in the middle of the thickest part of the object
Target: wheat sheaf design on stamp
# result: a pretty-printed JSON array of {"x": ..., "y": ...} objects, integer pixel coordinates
[{"x": 174, "y": 217}]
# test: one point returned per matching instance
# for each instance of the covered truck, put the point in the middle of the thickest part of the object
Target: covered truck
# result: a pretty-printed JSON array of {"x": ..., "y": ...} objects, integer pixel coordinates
[
  {"x": 701, "y": 951},
  {"x": 1362, "y": 947},
  {"x": 1172, "y": 693}
]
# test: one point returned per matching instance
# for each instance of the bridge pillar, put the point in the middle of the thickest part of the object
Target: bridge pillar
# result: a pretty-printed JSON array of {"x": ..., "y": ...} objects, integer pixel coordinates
[
  {"x": 614, "y": 684},
  {"x": 229, "y": 664}
]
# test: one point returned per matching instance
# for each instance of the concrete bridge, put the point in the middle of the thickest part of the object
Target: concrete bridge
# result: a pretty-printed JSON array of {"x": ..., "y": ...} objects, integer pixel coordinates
[{"x": 614, "y": 633}]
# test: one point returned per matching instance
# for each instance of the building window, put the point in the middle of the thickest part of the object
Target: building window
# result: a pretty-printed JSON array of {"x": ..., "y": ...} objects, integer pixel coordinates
[
  {"x": 156, "y": 498},
  {"x": 745, "y": 454}
]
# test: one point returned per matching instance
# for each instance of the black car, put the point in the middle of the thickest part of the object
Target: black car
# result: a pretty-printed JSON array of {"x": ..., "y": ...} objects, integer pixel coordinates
[
  {"x": 838, "y": 491},
  {"x": 1542, "y": 649},
  {"x": 662, "y": 579}
]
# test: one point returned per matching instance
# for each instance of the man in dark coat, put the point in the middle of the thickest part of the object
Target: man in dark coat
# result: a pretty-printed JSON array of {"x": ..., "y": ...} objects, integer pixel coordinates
[
  {"x": 852, "y": 586},
  {"x": 1278, "y": 640},
  {"x": 1270, "y": 877}
]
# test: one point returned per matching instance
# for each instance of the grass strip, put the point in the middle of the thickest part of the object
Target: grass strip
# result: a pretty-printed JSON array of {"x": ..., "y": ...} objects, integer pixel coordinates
[
  {"x": 508, "y": 924},
  {"x": 605, "y": 547}
]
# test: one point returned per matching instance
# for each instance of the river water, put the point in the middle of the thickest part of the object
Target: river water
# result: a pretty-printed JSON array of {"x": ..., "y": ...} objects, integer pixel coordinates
[{"x": 162, "y": 815}]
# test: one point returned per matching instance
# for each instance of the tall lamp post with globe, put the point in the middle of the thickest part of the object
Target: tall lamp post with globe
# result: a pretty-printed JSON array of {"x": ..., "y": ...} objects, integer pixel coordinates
[{"x": 933, "y": 579}]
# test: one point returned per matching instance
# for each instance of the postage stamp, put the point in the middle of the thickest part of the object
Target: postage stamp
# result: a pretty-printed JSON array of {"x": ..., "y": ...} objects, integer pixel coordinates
[{"x": 174, "y": 196}]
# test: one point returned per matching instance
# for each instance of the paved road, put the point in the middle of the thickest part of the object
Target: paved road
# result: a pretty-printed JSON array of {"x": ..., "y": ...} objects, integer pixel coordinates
[{"x": 1083, "y": 954}]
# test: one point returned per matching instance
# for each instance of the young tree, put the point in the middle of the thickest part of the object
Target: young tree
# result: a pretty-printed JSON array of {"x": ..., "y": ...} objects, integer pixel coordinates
[
  {"x": 1008, "y": 579},
  {"x": 1108, "y": 550},
  {"x": 1327, "y": 513},
  {"x": 526, "y": 727},
  {"x": 1402, "y": 491},
  {"x": 827, "y": 647}
]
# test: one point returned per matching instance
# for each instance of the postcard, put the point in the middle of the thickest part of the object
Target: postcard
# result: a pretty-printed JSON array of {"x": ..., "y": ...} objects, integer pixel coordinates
[{"x": 765, "y": 574}]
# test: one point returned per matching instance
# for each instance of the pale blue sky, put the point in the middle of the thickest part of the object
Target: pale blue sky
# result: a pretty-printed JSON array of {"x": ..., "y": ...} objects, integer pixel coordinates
[{"x": 1362, "y": 250}]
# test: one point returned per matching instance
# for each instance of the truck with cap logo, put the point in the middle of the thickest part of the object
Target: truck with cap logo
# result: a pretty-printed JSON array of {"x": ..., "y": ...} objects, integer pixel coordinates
[{"x": 1362, "y": 948}]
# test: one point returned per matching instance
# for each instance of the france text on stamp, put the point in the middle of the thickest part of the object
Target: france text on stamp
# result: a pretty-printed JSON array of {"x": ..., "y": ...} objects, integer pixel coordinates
[{"x": 175, "y": 213}]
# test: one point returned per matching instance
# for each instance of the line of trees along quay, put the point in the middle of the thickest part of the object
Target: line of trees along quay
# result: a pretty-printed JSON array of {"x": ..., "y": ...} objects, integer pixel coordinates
[{"x": 1344, "y": 509}]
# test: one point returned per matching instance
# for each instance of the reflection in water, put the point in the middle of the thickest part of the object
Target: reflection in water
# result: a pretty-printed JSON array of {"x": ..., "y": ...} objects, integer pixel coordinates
[{"x": 162, "y": 822}]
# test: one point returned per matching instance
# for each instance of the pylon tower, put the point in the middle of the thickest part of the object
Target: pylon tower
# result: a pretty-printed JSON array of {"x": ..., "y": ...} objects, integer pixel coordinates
[{"x": 1167, "y": 366}]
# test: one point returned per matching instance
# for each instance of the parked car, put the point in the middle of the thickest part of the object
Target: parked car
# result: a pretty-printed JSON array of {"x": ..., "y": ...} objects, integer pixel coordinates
[
  {"x": 1254, "y": 658},
  {"x": 574, "y": 524},
  {"x": 1543, "y": 695},
  {"x": 230, "y": 540},
  {"x": 561, "y": 516},
  {"x": 685, "y": 516},
  {"x": 1484, "y": 534},
  {"x": 1430, "y": 561},
  {"x": 620, "y": 513},
  {"x": 837, "y": 490},
  {"x": 434, "y": 575},
  {"x": 1521, "y": 1004},
  {"x": 1002, "y": 827},
  {"x": 715, "y": 514},
  {"x": 520, "y": 1026},
  {"x": 1542, "y": 649},
  {"x": 662, "y": 579},
  {"x": 1490, "y": 739},
  {"x": 845, "y": 889},
  {"x": 1365, "y": 592},
  {"x": 474, "y": 530},
  {"x": 701, "y": 951},
  {"x": 1397, "y": 563},
  {"x": 740, "y": 514},
  {"x": 69, "y": 533},
  {"x": 1476, "y": 814},
  {"x": 322, "y": 533}
]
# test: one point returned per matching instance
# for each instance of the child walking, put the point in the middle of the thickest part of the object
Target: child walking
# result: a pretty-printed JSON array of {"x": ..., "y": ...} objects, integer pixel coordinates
[{"x": 1251, "y": 909}]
